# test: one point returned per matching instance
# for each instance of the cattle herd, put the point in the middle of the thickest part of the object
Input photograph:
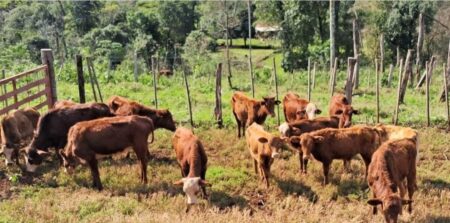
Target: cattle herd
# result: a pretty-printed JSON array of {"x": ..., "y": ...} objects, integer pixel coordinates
[{"x": 82, "y": 133}]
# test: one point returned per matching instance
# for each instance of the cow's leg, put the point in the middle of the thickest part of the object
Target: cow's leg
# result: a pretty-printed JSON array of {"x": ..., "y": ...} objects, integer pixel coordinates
[
  {"x": 374, "y": 208},
  {"x": 402, "y": 188},
  {"x": 366, "y": 162},
  {"x": 203, "y": 175},
  {"x": 255, "y": 164},
  {"x": 238, "y": 124},
  {"x": 326, "y": 169},
  {"x": 300, "y": 159},
  {"x": 264, "y": 171},
  {"x": 412, "y": 185},
  {"x": 95, "y": 174},
  {"x": 141, "y": 153}
]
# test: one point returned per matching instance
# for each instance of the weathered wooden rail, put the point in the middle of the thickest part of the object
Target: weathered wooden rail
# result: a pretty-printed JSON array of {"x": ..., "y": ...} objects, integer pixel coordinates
[{"x": 12, "y": 91}]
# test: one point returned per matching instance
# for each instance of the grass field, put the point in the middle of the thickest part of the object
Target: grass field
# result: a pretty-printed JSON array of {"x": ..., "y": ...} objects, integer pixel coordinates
[{"x": 236, "y": 194}]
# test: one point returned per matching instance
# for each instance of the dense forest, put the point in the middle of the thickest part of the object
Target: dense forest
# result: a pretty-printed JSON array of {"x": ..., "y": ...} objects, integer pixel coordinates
[{"x": 114, "y": 31}]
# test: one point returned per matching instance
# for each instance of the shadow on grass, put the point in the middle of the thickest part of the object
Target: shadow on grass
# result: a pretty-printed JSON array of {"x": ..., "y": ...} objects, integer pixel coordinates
[
  {"x": 437, "y": 219},
  {"x": 223, "y": 200},
  {"x": 293, "y": 187},
  {"x": 351, "y": 187},
  {"x": 436, "y": 183}
]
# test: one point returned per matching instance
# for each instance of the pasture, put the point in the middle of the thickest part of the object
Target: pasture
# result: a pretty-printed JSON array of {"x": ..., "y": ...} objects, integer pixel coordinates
[{"x": 236, "y": 194}]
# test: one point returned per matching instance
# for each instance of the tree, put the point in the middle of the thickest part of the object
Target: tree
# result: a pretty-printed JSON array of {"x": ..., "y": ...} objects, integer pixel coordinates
[{"x": 85, "y": 15}]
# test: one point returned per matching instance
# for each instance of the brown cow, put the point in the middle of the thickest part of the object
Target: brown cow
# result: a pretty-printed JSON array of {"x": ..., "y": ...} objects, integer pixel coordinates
[
  {"x": 392, "y": 132},
  {"x": 295, "y": 108},
  {"x": 53, "y": 128},
  {"x": 298, "y": 128},
  {"x": 161, "y": 118},
  {"x": 101, "y": 137},
  {"x": 329, "y": 144},
  {"x": 247, "y": 110},
  {"x": 264, "y": 148},
  {"x": 17, "y": 130},
  {"x": 340, "y": 107},
  {"x": 391, "y": 164},
  {"x": 192, "y": 159}
]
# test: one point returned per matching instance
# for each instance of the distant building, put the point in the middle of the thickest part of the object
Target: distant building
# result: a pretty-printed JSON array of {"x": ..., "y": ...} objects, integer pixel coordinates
[{"x": 266, "y": 31}]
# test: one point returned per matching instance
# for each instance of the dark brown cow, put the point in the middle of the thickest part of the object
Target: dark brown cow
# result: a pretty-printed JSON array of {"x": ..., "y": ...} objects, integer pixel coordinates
[
  {"x": 192, "y": 159},
  {"x": 391, "y": 164},
  {"x": 329, "y": 144},
  {"x": 17, "y": 130},
  {"x": 264, "y": 148},
  {"x": 298, "y": 128},
  {"x": 340, "y": 107},
  {"x": 161, "y": 118},
  {"x": 295, "y": 108},
  {"x": 247, "y": 110},
  {"x": 102, "y": 137},
  {"x": 53, "y": 128}
]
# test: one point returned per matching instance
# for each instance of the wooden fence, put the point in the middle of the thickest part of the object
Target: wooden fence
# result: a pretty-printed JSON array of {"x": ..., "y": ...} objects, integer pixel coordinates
[{"x": 32, "y": 88}]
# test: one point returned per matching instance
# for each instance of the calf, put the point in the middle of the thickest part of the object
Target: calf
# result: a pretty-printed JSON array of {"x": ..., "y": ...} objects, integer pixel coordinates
[
  {"x": 329, "y": 144},
  {"x": 264, "y": 148},
  {"x": 89, "y": 139},
  {"x": 192, "y": 159},
  {"x": 122, "y": 107},
  {"x": 53, "y": 128},
  {"x": 247, "y": 110},
  {"x": 340, "y": 107},
  {"x": 17, "y": 130},
  {"x": 298, "y": 128},
  {"x": 391, "y": 164},
  {"x": 295, "y": 108}
]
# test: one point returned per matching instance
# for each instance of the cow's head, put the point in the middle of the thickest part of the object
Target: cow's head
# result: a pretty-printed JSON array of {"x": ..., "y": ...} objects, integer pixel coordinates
[
  {"x": 275, "y": 144},
  {"x": 192, "y": 186},
  {"x": 307, "y": 143},
  {"x": 345, "y": 116},
  {"x": 391, "y": 206},
  {"x": 9, "y": 154},
  {"x": 269, "y": 103},
  {"x": 69, "y": 161},
  {"x": 311, "y": 111},
  {"x": 165, "y": 120},
  {"x": 34, "y": 158}
]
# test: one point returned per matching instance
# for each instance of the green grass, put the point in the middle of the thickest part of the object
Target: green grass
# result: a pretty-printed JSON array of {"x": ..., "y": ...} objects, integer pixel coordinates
[{"x": 236, "y": 194}]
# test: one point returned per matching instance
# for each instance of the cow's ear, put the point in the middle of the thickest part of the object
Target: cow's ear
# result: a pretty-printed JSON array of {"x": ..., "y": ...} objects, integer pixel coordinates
[
  {"x": 179, "y": 182},
  {"x": 338, "y": 112},
  {"x": 355, "y": 112},
  {"x": 204, "y": 183},
  {"x": 263, "y": 140},
  {"x": 277, "y": 102},
  {"x": 318, "y": 111},
  {"x": 374, "y": 202},
  {"x": 318, "y": 138},
  {"x": 405, "y": 202}
]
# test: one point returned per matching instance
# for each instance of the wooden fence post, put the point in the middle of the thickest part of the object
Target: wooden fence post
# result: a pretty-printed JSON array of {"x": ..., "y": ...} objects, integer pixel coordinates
[
  {"x": 218, "y": 108},
  {"x": 47, "y": 59},
  {"x": 188, "y": 95},
  {"x": 333, "y": 76},
  {"x": 81, "y": 91},
  {"x": 391, "y": 70},
  {"x": 428, "y": 71},
  {"x": 91, "y": 78},
  {"x": 250, "y": 46},
  {"x": 356, "y": 44},
  {"x": 397, "y": 63},
  {"x": 377, "y": 85},
  {"x": 135, "y": 61},
  {"x": 381, "y": 68},
  {"x": 427, "y": 90},
  {"x": 276, "y": 89},
  {"x": 351, "y": 62},
  {"x": 398, "y": 93},
  {"x": 309, "y": 79},
  {"x": 155, "y": 89},
  {"x": 406, "y": 74},
  {"x": 5, "y": 102},
  {"x": 445, "y": 76},
  {"x": 419, "y": 46},
  {"x": 445, "y": 88},
  {"x": 314, "y": 76}
]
